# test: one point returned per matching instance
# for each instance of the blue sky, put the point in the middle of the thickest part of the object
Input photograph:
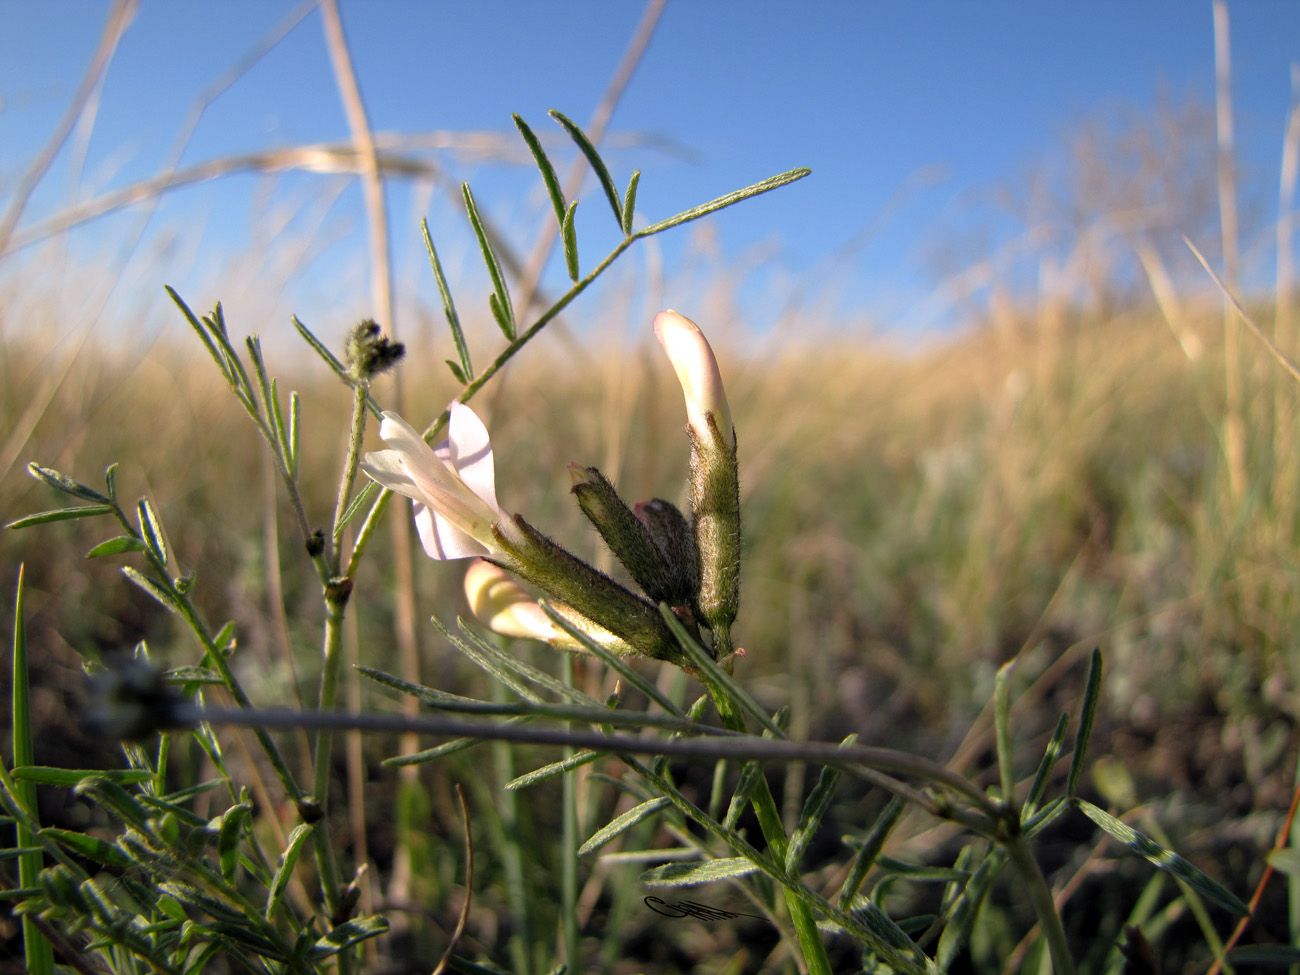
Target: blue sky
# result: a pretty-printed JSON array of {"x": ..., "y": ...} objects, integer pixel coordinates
[{"x": 907, "y": 113}]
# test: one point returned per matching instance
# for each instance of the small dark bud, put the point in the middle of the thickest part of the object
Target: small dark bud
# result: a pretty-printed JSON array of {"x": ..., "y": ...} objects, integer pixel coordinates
[
  {"x": 338, "y": 589},
  {"x": 316, "y": 544},
  {"x": 348, "y": 901},
  {"x": 309, "y": 809},
  {"x": 184, "y": 583},
  {"x": 370, "y": 352}
]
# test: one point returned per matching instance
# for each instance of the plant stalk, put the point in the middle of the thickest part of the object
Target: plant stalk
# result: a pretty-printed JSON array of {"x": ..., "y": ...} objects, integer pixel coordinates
[
  {"x": 1040, "y": 895},
  {"x": 769, "y": 820}
]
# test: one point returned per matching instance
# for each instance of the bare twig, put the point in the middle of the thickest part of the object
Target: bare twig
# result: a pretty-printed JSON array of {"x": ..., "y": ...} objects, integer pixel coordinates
[
  {"x": 469, "y": 886},
  {"x": 1233, "y": 304}
]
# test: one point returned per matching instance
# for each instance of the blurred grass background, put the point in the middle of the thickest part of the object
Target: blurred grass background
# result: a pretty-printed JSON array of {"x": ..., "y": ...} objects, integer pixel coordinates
[
  {"x": 1095, "y": 459},
  {"x": 913, "y": 519}
]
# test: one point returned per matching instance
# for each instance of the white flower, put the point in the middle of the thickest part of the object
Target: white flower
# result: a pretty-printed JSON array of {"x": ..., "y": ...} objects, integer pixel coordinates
[{"x": 453, "y": 486}]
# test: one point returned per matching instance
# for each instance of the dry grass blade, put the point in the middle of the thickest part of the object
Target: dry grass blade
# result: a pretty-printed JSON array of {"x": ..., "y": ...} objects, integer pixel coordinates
[
  {"x": 1228, "y": 297},
  {"x": 118, "y": 19}
]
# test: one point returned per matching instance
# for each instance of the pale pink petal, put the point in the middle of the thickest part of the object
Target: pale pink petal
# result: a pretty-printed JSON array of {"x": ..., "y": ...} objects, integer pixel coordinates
[
  {"x": 470, "y": 452},
  {"x": 386, "y": 467},
  {"x": 443, "y": 540},
  {"x": 454, "y": 514}
]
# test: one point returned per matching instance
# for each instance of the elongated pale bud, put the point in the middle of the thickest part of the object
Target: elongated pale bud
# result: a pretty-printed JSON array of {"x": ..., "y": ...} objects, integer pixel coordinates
[
  {"x": 502, "y": 605},
  {"x": 561, "y": 574},
  {"x": 697, "y": 370},
  {"x": 715, "y": 476}
]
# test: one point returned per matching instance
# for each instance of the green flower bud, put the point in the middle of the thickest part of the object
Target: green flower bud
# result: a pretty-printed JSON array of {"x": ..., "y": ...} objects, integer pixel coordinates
[
  {"x": 370, "y": 352},
  {"x": 593, "y": 594},
  {"x": 673, "y": 537},
  {"x": 629, "y": 538}
]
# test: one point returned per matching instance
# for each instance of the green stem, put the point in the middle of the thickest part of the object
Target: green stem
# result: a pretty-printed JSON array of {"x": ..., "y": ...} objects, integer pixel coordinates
[
  {"x": 337, "y": 591},
  {"x": 569, "y": 850},
  {"x": 36, "y": 947},
  {"x": 1040, "y": 895},
  {"x": 236, "y": 690},
  {"x": 769, "y": 820},
  {"x": 356, "y": 435}
]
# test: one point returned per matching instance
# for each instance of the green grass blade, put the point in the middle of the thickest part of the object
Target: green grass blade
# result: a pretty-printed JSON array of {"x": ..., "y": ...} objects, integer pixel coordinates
[
  {"x": 348, "y": 934},
  {"x": 722, "y": 202},
  {"x": 363, "y": 498},
  {"x": 597, "y": 164},
  {"x": 709, "y": 670},
  {"x": 870, "y": 851},
  {"x": 567, "y": 764},
  {"x": 1050, "y": 813},
  {"x": 69, "y": 778},
  {"x": 1164, "y": 859},
  {"x": 110, "y": 482},
  {"x": 38, "y": 951},
  {"x": 629, "y": 202},
  {"x": 1050, "y": 757},
  {"x": 527, "y": 671},
  {"x": 254, "y": 345},
  {"x": 294, "y": 427},
  {"x": 201, "y": 332},
  {"x": 810, "y": 819},
  {"x": 1002, "y": 727},
  {"x": 615, "y": 663},
  {"x": 490, "y": 663},
  {"x": 229, "y": 836},
  {"x": 1085, "y": 724},
  {"x": 448, "y": 306},
  {"x": 569, "y": 237},
  {"x": 61, "y": 514},
  {"x": 745, "y": 786},
  {"x": 278, "y": 427},
  {"x": 61, "y": 482},
  {"x": 621, "y": 824},
  {"x": 236, "y": 375},
  {"x": 332, "y": 361},
  {"x": 921, "y": 872},
  {"x": 118, "y": 545},
  {"x": 288, "y": 860},
  {"x": 706, "y": 872},
  {"x": 322, "y": 350},
  {"x": 548, "y": 171},
  {"x": 90, "y": 847},
  {"x": 961, "y": 920},
  {"x": 153, "y": 588},
  {"x": 500, "y": 298},
  {"x": 152, "y": 533}
]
